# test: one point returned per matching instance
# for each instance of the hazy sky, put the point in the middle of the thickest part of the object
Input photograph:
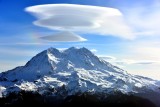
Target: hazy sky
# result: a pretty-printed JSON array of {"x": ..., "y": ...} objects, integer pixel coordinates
[{"x": 130, "y": 38}]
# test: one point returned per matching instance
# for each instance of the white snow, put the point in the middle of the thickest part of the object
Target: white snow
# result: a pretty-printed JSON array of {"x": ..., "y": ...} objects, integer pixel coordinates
[
  {"x": 27, "y": 86},
  {"x": 2, "y": 89}
]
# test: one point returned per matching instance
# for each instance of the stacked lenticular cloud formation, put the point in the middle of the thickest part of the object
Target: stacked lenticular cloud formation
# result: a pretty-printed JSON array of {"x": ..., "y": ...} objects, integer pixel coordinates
[{"x": 80, "y": 18}]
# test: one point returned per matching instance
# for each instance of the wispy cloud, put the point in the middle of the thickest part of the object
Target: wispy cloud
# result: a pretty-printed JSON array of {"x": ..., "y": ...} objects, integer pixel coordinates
[
  {"x": 107, "y": 58},
  {"x": 144, "y": 19},
  {"x": 126, "y": 62}
]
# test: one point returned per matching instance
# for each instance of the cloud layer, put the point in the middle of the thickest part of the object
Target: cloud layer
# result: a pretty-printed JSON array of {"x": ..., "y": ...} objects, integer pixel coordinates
[{"x": 81, "y": 18}]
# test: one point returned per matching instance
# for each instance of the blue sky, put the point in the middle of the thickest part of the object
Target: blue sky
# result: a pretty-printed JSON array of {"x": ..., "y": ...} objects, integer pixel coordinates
[{"x": 19, "y": 37}]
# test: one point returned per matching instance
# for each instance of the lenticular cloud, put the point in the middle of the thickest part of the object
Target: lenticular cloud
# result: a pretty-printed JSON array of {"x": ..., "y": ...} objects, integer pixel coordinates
[
  {"x": 81, "y": 18},
  {"x": 64, "y": 36}
]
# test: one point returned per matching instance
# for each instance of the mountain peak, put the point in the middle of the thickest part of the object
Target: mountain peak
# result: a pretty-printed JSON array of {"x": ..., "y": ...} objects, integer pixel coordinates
[
  {"x": 76, "y": 50},
  {"x": 83, "y": 49},
  {"x": 53, "y": 60},
  {"x": 73, "y": 48},
  {"x": 53, "y": 51}
]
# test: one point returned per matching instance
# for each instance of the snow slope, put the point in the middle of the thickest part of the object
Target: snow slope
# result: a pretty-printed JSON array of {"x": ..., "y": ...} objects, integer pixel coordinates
[{"x": 75, "y": 70}]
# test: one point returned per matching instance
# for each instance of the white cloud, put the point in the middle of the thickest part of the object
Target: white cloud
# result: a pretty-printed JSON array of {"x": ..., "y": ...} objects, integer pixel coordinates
[
  {"x": 139, "y": 62},
  {"x": 62, "y": 49},
  {"x": 93, "y": 50},
  {"x": 145, "y": 62},
  {"x": 113, "y": 60},
  {"x": 107, "y": 58},
  {"x": 64, "y": 36},
  {"x": 81, "y": 18},
  {"x": 126, "y": 62}
]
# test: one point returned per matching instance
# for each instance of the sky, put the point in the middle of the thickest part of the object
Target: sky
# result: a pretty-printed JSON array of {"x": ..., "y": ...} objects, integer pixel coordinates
[{"x": 123, "y": 32}]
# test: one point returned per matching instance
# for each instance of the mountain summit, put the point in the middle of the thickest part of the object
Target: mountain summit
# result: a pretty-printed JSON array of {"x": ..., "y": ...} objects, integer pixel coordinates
[
  {"x": 76, "y": 70},
  {"x": 52, "y": 61}
]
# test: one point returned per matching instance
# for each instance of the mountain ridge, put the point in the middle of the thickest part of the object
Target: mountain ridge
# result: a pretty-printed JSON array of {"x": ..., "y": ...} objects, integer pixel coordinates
[{"x": 76, "y": 69}]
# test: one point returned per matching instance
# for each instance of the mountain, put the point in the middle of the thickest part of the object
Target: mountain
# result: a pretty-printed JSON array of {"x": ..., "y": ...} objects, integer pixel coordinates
[{"x": 71, "y": 71}]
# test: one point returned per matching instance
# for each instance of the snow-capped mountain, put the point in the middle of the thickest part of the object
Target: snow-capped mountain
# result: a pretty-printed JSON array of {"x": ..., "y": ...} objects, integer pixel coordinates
[{"x": 76, "y": 70}]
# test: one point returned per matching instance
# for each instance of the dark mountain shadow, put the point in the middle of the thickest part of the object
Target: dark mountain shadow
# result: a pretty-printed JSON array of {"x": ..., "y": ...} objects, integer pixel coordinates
[{"x": 86, "y": 99}]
